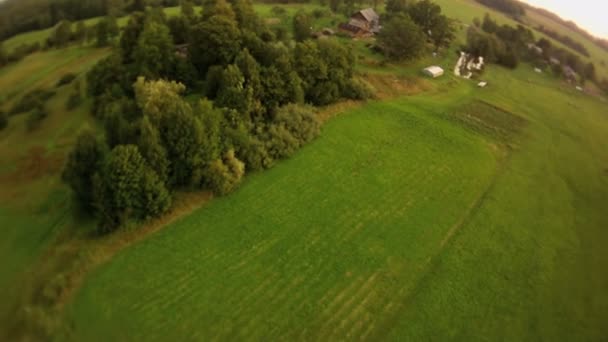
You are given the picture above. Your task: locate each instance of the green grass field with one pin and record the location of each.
(410, 219)
(440, 212)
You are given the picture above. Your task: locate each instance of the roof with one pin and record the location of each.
(369, 14)
(434, 69)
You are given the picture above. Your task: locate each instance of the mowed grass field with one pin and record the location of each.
(468, 214)
(34, 204)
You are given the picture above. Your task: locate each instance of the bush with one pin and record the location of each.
(224, 175)
(66, 79)
(319, 13)
(35, 117)
(293, 126)
(3, 120)
(31, 100)
(73, 101)
(278, 11)
(358, 89)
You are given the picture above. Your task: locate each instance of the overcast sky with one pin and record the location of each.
(592, 15)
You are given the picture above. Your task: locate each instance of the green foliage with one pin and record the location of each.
(106, 29)
(399, 46)
(3, 120)
(216, 40)
(302, 26)
(128, 189)
(82, 162)
(396, 7)
(74, 100)
(66, 79)
(224, 175)
(130, 36)
(154, 56)
(151, 149)
(359, 89)
(32, 100)
(62, 34)
(292, 127)
(437, 26)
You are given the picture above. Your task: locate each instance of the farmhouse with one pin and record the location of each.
(433, 71)
(364, 23)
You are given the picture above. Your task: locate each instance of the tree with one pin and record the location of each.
(62, 34)
(151, 149)
(489, 25)
(232, 91)
(154, 55)
(224, 175)
(335, 5)
(157, 98)
(302, 28)
(187, 10)
(399, 46)
(130, 36)
(128, 189)
(80, 34)
(106, 29)
(3, 120)
(216, 40)
(437, 26)
(395, 7)
(83, 161)
(589, 72)
(3, 56)
(220, 8)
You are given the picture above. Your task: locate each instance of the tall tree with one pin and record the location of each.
(399, 46)
(83, 161)
(216, 40)
(154, 56)
(302, 26)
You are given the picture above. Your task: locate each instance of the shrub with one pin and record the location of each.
(319, 13)
(278, 11)
(35, 117)
(66, 79)
(3, 120)
(358, 89)
(293, 126)
(31, 100)
(224, 175)
(73, 101)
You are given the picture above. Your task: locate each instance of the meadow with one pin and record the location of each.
(439, 211)
(417, 218)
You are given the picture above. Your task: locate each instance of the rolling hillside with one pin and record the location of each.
(438, 211)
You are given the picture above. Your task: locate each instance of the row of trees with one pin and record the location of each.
(407, 27)
(504, 44)
(566, 40)
(158, 139)
(509, 7)
(18, 16)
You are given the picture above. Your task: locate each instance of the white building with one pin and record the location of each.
(433, 71)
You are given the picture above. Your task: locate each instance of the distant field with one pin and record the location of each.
(467, 10)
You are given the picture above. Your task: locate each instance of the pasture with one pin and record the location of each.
(417, 218)
(441, 211)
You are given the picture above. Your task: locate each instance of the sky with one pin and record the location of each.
(588, 14)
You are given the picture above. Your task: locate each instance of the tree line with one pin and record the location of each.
(511, 8)
(18, 16)
(566, 40)
(233, 99)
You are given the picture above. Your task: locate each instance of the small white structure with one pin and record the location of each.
(538, 71)
(482, 84)
(433, 71)
(579, 88)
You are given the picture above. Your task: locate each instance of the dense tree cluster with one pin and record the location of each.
(407, 27)
(504, 44)
(566, 58)
(250, 91)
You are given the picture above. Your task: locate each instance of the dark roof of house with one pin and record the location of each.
(351, 28)
(369, 14)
